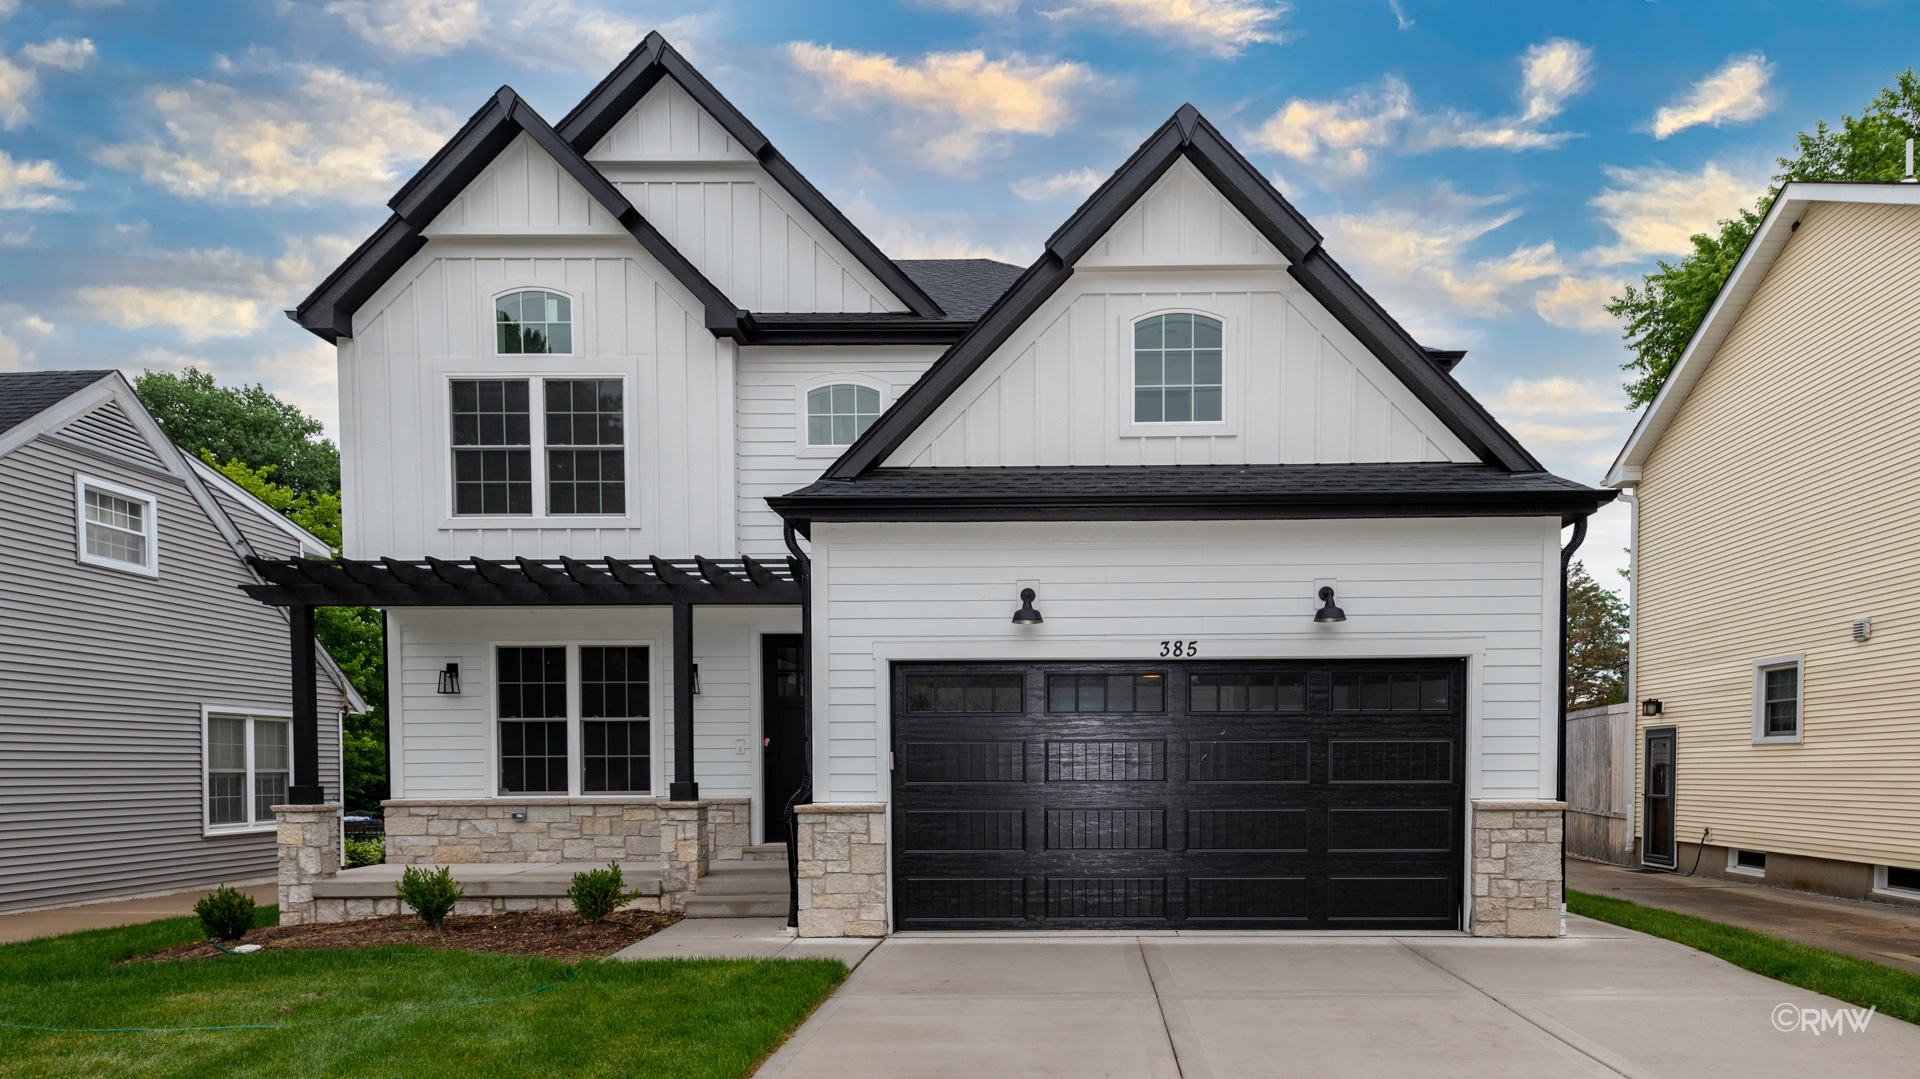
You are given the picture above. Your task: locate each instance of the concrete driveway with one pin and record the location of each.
(1603, 1002)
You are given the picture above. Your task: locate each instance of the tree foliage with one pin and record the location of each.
(1596, 642)
(242, 423)
(1663, 312)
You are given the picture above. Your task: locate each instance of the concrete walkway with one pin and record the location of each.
(744, 938)
(1604, 1002)
(48, 923)
(1877, 932)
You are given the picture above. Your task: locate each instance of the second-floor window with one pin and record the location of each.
(836, 415)
(533, 321)
(1176, 369)
(584, 424)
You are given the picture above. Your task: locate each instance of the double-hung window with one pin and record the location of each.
(492, 447)
(249, 765)
(118, 527)
(570, 713)
(533, 720)
(586, 458)
(614, 736)
(584, 422)
(1777, 700)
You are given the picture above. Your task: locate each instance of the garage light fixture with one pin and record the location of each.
(1328, 612)
(450, 679)
(1650, 707)
(1026, 615)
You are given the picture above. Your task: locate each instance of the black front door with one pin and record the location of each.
(1656, 844)
(783, 711)
(1231, 795)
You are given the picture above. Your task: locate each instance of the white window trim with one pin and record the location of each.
(576, 755)
(248, 713)
(1881, 887)
(151, 568)
(1232, 386)
(492, 334)
(1760, 669)
(803, 448)
(1734, 866)
(537, 431)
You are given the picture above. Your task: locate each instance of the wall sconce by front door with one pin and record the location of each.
(450, 679)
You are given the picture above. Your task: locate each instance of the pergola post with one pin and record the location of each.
(305, 788)
(683, 788)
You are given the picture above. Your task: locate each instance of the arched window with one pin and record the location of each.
(534, 321)
(836, 415)
(1176, 369)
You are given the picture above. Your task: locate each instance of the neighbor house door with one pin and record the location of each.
(1656, 844)
(784, 723)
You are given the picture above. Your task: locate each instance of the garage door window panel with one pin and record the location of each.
(1106, 692)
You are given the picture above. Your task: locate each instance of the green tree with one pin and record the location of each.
(1596, 642)
(1664, 311)
(241, 423)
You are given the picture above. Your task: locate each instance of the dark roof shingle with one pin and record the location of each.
(964, 288)
(26, 394)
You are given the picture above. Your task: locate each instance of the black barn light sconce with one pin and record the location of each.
(1328, 612)
(450, 678)
(1650, 707)
(1026, 615)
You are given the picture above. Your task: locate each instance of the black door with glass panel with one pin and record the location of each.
(783, 713)
(1656, 841)
(1233, 795)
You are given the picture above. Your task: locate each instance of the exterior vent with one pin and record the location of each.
(1862, 628)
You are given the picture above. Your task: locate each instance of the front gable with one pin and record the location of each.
(1182, 220)
(524, 190)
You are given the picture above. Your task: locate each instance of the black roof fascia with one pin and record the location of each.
(523, 582)
(643, 68)
(328, 309)
(1447, 358)
(1189, 134)
(781, 329)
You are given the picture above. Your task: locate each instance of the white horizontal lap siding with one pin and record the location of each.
(103, 675)
(1116, 589)
(770, 421)
(434, 321)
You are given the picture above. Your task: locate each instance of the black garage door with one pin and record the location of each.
(1258, 795)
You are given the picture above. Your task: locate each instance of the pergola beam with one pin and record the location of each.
(479, 582)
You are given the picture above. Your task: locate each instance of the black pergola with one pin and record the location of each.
(301, 584)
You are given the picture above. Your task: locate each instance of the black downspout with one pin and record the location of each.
(1560, 780)
(305, 789)
(683, 788)
(803, 570)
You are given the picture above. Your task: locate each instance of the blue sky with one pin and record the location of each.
(175, 174)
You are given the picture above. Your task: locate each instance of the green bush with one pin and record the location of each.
(597, 892)
(431, 895)
(227, 914)
(365, 852)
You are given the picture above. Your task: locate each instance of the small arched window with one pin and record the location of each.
(533, 321)
(1176, 369)
(836, 415)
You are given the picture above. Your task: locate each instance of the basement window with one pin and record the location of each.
(1896, 880)
(1753, 863)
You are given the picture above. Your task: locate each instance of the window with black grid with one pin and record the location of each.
(615, 739)
(533, 720)
(492, 447)
(586, 455)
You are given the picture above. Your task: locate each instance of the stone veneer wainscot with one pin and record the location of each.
(843, 870)
(1516, 868)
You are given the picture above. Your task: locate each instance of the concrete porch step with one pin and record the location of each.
(737, 906)
(767, 852)
(740, 890)
(771, 880)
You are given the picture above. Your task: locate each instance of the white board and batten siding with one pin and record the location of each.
(1299, 388)
(1483, 588)
(104, 675)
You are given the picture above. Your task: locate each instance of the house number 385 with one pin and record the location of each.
(1179, 649)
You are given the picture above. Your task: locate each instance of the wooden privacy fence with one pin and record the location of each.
(1600, 782)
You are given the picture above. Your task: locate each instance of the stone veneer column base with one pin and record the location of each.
(1516, 868)
(686, 846)
(309, 850)
(843, 870)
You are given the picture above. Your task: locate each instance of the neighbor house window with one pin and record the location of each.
(1176, 369)
(614, 736)
(118, 527)
(1776, 700)
(533, 720)
(837, 415)
(533, 321)
(249, 764)
(492, 447)
(586, 459)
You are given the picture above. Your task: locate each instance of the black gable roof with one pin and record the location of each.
(964, 287)
(1188, 134)
(26, 394)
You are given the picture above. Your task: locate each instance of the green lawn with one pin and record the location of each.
(1856, 981)
(388, 1012)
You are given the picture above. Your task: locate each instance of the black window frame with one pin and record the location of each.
(604, 451)
(517, 720)
(492, 448)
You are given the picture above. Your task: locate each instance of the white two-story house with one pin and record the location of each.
(1166, 582)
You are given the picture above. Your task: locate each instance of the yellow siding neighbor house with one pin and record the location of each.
(1776, 488)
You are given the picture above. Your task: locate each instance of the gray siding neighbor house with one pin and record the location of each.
(144, 699)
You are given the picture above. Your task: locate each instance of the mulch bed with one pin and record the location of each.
(552, 934)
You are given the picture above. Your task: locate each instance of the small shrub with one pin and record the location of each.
(227, 914)
(431, 895)
(365, 852)
(597, 892)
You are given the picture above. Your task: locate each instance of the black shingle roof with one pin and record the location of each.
(26, 394)
(964, 288)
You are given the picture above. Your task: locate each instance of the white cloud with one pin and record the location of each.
(63, 54)
(1736, 92)
(1400, 16)
(30, 185)
(1081, 182)
(1421, 262)
(1559, 410)
(1653, 211)
(557, 34)
(294, 132)
(976, 7)
(1222, 27)
(939, 234)
(20, 82)
(1344, 135)
(1579, 303)
(18, 85)
(12, 356)
(35, 325)
(196, 313)
(17, 238)
(230, 294)
(413, 27)
(959, 107)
